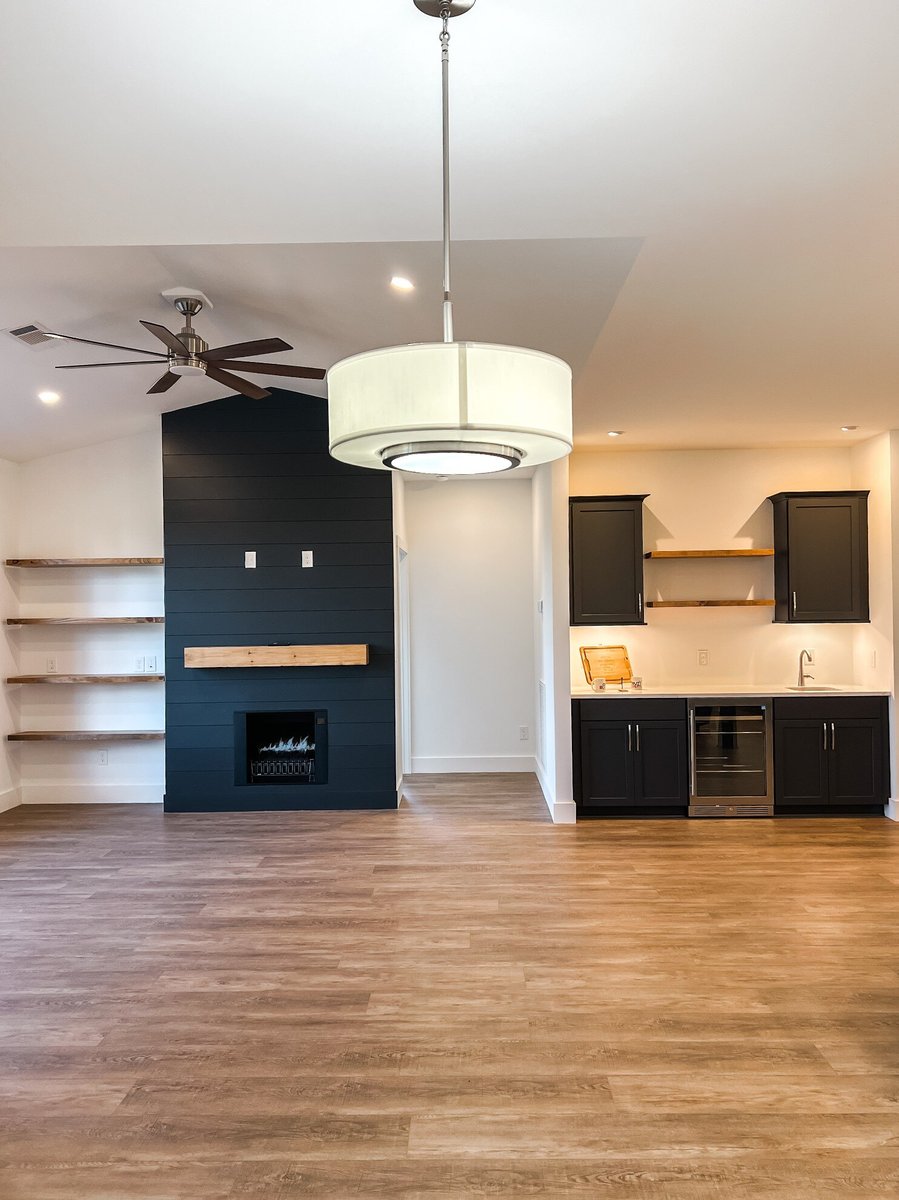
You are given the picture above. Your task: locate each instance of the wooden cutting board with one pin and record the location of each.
(606, 662)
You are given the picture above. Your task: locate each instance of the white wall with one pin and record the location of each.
(9, 504)
(103, 500)
(873, 644)
(707, 499)
(550, 554)
(472, 639)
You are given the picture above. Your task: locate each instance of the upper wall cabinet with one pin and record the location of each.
(820, 556)
(606, 555)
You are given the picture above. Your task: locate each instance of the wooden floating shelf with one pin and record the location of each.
(84, 562)
(85, 620)
(87, 735)
(709, 603)
(276, 656)
(85, 679)
(709, 554)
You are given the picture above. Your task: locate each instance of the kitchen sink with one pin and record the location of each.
(813, 688)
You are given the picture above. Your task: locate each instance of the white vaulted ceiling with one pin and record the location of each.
(695, 200)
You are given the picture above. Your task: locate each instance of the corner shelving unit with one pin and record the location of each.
(85, 735)
(763, 552)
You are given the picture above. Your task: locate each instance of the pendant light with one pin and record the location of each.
(449, 408)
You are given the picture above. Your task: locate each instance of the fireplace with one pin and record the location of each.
(281, 748)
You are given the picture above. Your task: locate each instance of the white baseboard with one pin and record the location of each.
(91, 793)
(11, 798)
(491, 765)
(892, 809)
(563, 812)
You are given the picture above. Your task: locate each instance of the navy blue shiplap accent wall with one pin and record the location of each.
(241, 475)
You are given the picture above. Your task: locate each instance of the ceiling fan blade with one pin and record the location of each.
(163, 383)
(236, 383)
(166, 335)
(68, 337)
(272, 369)
(131, 362)
(240, 349)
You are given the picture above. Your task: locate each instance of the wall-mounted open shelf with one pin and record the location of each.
(84, 562)
(709, 603)
(85, 679)
(85, 620)
(763, 553)
(87, 735)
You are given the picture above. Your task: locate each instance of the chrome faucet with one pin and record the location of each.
(803, 675)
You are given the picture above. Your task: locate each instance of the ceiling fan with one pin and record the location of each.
(186, 353)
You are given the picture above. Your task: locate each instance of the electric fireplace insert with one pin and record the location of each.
(281, 747)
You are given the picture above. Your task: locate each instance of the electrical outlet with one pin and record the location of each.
(873, 658)
(102, 758)
(523, 733)
(151, 663)
(249, 558)
(52, 667)
(702, 658)
(140, 664)
(307, 558)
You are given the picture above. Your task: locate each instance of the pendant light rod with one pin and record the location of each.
(444, 66)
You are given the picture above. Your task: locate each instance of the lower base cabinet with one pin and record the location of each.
(830, 755)
(630, 757)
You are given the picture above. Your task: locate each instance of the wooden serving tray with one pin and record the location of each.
(606, 662)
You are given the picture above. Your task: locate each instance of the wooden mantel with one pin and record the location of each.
(276, 656)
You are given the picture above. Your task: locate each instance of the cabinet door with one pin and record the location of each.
(827, 558)
(606, 547)
(855, 762)
(801, 765)
(607, 765)
(660, 763)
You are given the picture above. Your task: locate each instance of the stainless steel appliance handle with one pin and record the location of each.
(637, 727)
(629, 743)
(833, 737)
(692, 752)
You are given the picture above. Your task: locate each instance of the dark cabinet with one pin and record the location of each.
(830, 755)
(606, 560)
(820, 556)
(630, 757)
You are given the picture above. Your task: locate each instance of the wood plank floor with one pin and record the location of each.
(456, 999)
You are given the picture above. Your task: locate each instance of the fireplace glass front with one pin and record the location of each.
(281, 747)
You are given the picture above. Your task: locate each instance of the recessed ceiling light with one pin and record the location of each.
(615, 432)
(401, 284)
(48, 397)
(848, 428)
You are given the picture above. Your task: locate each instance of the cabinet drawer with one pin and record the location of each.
(832, 707)
(634, 708)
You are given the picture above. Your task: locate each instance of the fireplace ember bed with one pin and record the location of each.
(281, 748)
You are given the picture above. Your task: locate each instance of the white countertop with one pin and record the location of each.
(583, 692)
